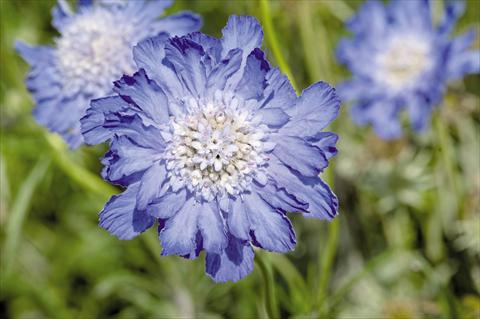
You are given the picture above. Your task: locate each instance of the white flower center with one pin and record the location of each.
(94, 50)
(216, 149)
(404, 60)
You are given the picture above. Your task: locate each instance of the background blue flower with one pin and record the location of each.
(401, 59)
(213, 142)
(94, 49)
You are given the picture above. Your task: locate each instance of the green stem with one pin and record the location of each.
(79, 174)
(328, 255)
(444, 147)
(267, 274)
(19, 212)
(273, 42)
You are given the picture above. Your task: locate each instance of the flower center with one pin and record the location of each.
(216, 149)
(403, 62)
(94, 50)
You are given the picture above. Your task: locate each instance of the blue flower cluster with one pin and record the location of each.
(213, 143)
(401, 60)
(93, 50)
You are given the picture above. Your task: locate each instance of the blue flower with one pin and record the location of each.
(93, 50)
(400, 59)
(213, 143)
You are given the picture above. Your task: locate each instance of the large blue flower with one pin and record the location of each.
(94, 49)
(400, 59)
(213, 142)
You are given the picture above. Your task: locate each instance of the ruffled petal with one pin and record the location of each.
(121, 219)
(212, 228)
(242, 32)
(167, 205)
(463, 61)
(299, 155)
(148, 54)
(111, 116)
(278, 92)
(253, 81)
(146, 95)
(219, 76)
(178, 236)
(151, 184)
(237, 220)
(273, 117)
(270, 229)
(322, 203)
(232, 264)
(178, 24)
(315, 109)
(185, 56)
(126, 158)
(61, 14)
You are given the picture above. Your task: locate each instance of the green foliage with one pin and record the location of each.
(406, 245)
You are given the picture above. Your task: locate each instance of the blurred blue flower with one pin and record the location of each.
(93, 50)
(400, 59)
(213, 142)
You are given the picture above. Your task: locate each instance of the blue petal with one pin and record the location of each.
(167, 205)
(85, 3)
(315, 109)
(462, 60)
(237, 220)
(411, 15)
(114, 116)
(241, 32)
(150, 184)
(127, 158)
(453, 10)
(419, 112)
(179, 24)
(253, 82)
(273, 117)
(178, 237)
(299, 155)
(326, 141)
(270, 229)
(212, 228)
(280, 199)
(234, 263)
(211, 45)
(323, 204)
(219, 76)
(370, 20)
(61, 14)
(146, 95)
(34, 54)
(185, 56)
(148, 54)
(278, 92)
(120, 218)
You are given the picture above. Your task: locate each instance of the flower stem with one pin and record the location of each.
(273, 43)
(444, 148)
(267, 274)
(19, 212)
(79, 174)
(327, 256)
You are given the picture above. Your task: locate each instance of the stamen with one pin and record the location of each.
(215, 149)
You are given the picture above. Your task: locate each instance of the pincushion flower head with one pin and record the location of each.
(213, 143)
(401, 60)
(94, 49)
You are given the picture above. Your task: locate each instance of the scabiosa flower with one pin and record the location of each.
(93, 50)
(213, 142)
(401, 60)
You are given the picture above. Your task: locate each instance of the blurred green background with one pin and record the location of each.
(406, 243)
